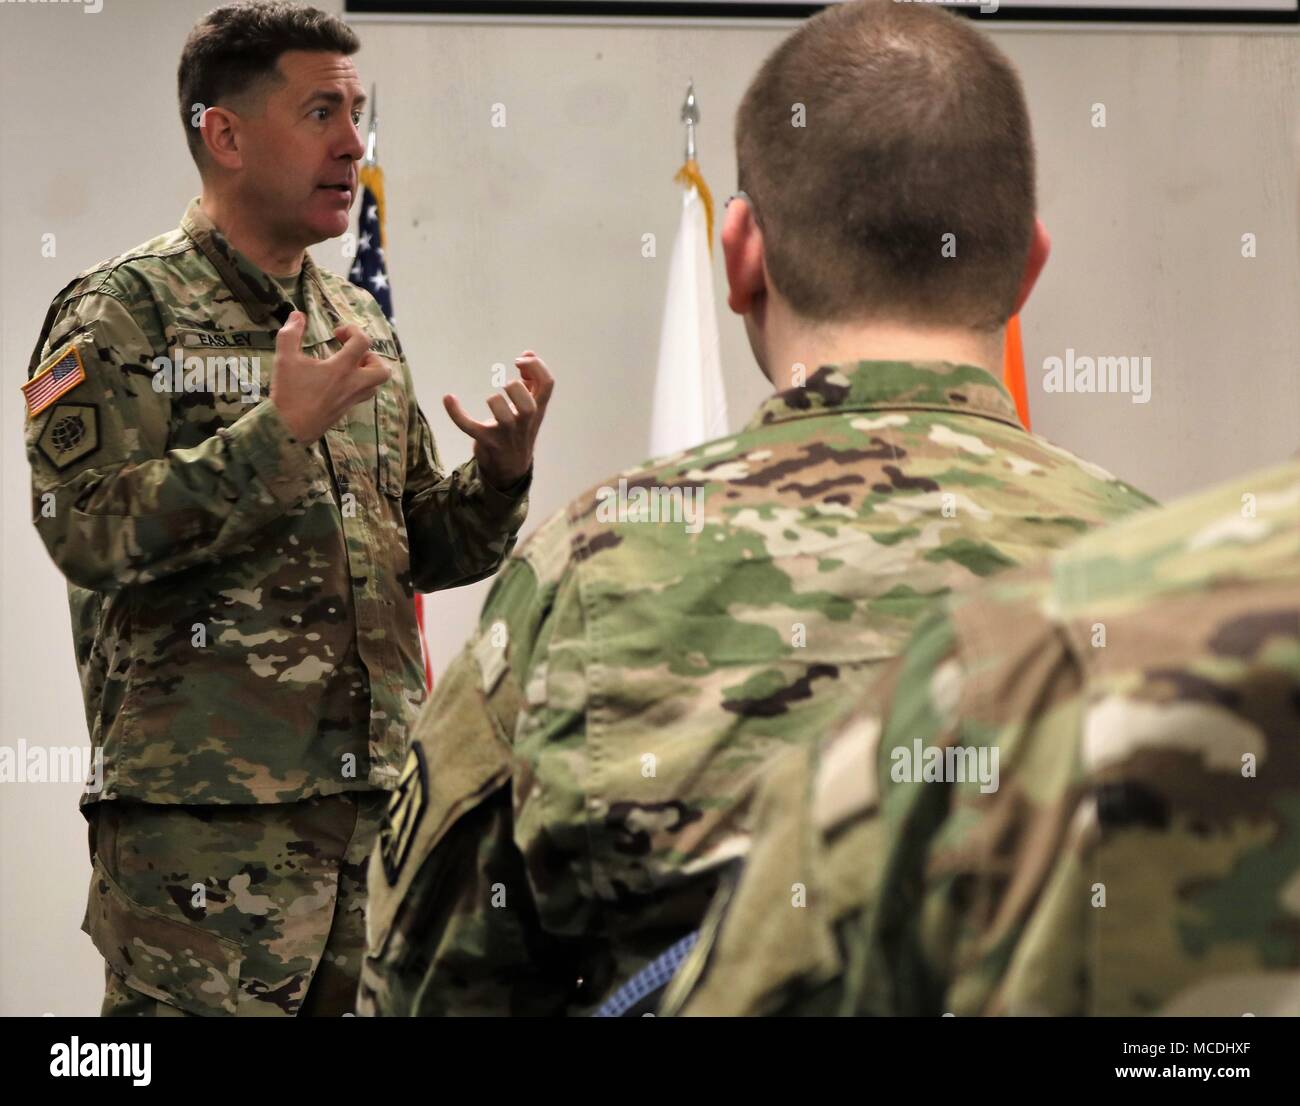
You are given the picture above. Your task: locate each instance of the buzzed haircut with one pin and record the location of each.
(237, 46)
(869, 135)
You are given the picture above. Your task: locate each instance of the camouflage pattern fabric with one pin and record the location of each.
(253, 911)
(572, 794)
(1139, 852)
(241, 602)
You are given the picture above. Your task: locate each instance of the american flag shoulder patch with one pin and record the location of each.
(62, 372)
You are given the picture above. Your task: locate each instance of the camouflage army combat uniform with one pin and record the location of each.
(241, 610)
(1140, 850)
(571, 794)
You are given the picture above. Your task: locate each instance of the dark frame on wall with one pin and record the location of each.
(1227, 11)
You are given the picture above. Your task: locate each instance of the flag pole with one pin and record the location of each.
(372, 136)
(371, 175)
(690, 116)
(689, 174)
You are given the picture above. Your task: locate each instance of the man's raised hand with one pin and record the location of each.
(504, 448)
(311, 394)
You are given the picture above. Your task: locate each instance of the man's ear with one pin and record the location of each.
(1040, 247)
(220, 129)
(742, 248)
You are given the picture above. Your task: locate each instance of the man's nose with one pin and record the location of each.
(354, 145)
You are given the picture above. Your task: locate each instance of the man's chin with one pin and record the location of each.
(326, 226)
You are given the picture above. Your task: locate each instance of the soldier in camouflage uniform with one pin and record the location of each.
(241, 596)
(1139, 854)
(571, 797)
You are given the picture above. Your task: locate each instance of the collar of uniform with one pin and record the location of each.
(891, 385)
(259, 294)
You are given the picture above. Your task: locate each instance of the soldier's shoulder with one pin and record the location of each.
(1199, 585)
(658, 501)
(1244, 528)
(728, 479)
(548, 550)
(127, 273)
(130, 280)
(1076, 483)
(525, 587)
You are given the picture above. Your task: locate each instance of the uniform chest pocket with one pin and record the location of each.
(232, 366)
(213, 387)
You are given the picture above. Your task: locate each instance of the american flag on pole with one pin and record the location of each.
(54, 380)
(368, 267)
(370, 271)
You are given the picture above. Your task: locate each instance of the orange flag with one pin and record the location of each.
(1013, 369)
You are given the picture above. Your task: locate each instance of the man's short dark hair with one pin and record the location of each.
(236, 47)
(915, 127)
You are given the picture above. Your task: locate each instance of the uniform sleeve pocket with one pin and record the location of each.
(176, 963)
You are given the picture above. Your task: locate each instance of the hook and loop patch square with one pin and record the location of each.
(71, 434)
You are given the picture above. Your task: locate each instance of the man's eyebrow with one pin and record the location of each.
(332, 97)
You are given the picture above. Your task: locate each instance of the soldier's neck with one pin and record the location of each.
(837, 344)
(251, 238)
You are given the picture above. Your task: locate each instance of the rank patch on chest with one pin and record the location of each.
(57, 377)
(405, 809)
(71, 434)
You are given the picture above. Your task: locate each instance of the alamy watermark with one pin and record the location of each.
(212, 373)
(945, 764)
(52, 764)
(1077, 373)
(651, 504)
(103, 1058)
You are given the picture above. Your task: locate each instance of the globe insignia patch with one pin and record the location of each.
(71, 433)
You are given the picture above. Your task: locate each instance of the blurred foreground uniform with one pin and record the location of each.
(1141, 851)
(572, 792)
(241, 611)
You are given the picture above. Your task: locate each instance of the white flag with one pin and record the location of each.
(690, 405)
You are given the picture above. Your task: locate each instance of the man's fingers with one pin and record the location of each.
(537, 376)
(456, 413)
(288, 338)
(354, 349)
(358, 395)
(372, 372)
(521, 397)
(500, 407)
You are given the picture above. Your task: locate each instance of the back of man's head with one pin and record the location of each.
(868, 137)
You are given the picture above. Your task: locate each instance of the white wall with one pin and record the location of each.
(530, 236)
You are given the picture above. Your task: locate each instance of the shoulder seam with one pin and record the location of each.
(105, 270)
